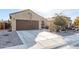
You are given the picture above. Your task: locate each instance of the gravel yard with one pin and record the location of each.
(9, 39)
(72, 38)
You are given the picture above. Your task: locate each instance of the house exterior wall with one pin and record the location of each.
(50, 22)
(13, 24)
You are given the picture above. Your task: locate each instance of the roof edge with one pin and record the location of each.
(26, 10)
(18, 12)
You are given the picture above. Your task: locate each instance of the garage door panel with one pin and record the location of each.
(26, 24)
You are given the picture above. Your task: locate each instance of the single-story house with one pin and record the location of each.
(26, 20)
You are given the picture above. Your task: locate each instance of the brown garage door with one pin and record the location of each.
(26, 24)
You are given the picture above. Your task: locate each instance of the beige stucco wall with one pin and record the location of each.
(13, 24)
(23, 15)
(50, 24)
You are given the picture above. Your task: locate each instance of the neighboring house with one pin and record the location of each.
(0, 25)
(7, 24)
(26, 20)
(69, 22)
(4, 25)
(50, 21)
(50, 24)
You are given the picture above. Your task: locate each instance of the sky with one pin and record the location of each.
(45, 8)
(73, 13)
(4, 13)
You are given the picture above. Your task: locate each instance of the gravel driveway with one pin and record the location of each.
(9, 39)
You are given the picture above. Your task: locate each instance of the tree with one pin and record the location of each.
(61, 21)
(76, 22)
